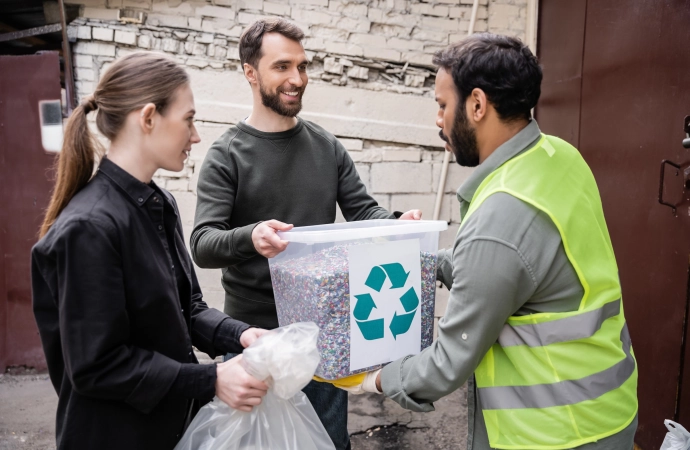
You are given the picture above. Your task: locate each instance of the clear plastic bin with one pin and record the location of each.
(369, 285)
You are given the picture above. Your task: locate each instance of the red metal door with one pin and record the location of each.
(24, 81)
(617, 85)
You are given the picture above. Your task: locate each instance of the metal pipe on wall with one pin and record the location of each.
(446, 156)
(67, 59)
(532, 23)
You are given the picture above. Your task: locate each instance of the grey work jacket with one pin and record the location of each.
(507, 259)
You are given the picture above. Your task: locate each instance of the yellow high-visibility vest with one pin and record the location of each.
(560, 380)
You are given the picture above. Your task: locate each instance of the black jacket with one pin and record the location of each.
(118, 319)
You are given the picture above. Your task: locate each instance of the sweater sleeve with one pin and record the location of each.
(214, 243)
(354, 201)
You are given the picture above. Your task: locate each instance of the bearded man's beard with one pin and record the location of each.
(463, 139)
(274, 102)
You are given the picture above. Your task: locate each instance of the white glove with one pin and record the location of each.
(368, 385)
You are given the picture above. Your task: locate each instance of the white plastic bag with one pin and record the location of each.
(286, 359)
(677, 437)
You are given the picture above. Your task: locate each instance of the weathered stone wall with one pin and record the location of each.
(509, 17)
(371, 82)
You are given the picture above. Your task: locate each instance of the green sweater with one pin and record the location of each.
(248, 176)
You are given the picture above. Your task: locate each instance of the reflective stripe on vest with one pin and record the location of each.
(564, 392)
(561, 330)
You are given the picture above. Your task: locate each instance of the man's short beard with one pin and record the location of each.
(463, 139)
(273, 101)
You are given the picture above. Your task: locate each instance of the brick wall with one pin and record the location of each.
(371, 82)
(508, 17)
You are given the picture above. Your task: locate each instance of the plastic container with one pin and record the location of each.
(370, 286)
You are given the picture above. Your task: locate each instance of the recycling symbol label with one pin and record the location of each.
(399, 324)
(385, 287)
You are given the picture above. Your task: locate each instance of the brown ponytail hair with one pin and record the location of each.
(128, 85)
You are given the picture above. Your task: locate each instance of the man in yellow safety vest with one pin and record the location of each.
(535, 316)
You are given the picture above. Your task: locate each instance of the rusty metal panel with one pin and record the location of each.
(560, 47)
(635, 92)
(24, 81)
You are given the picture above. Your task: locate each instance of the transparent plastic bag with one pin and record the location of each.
(286, 359)
(677, 437)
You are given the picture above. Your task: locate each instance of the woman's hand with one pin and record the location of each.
(250, 335)
(236, 387)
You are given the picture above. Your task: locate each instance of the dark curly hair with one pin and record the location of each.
(501, 66)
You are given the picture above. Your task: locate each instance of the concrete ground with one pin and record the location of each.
(27, 412)
(377, 423)
(28, 403)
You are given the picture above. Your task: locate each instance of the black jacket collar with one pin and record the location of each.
(138, 191)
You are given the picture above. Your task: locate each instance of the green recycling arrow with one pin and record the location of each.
(395, 272)
(363, 307)
(397, 275)
(371, 329)
(409, 300)
(376, 278)
(401, 323)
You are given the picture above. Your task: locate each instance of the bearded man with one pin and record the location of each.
(269, 172)
(535, 320)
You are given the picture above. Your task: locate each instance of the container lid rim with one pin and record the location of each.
(385, 227)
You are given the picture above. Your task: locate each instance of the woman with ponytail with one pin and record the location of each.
(115, 295)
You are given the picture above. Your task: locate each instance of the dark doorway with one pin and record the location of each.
(24, 167)
(617, 86)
